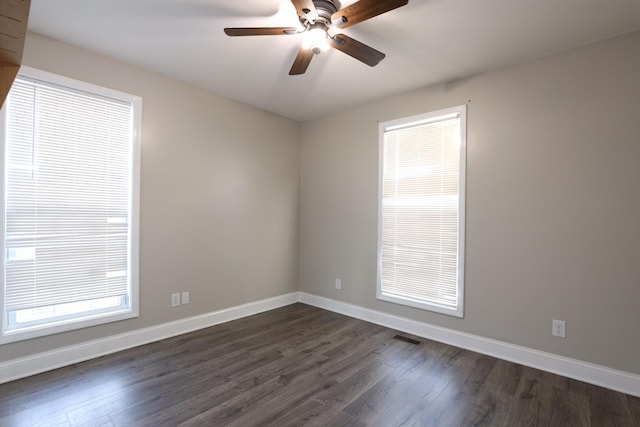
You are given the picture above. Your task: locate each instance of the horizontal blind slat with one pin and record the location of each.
(420, 212)
(67, 196)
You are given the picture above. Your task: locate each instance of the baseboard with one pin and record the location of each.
(594, 374)
(41, 362)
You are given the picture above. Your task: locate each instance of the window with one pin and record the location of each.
(421, 211)
(70, 205)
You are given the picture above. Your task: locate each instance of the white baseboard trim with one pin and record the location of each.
(41, 362)
(594, 374)
(588, 372)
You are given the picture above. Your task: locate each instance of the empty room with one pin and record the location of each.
(320, 213)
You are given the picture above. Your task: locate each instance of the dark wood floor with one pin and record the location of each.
(300, 365)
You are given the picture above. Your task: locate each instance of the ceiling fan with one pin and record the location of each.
(317, 18)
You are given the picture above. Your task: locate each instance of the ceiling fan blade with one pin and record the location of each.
(357, 50)
(301, 62)
(363, 10)
(260, 31)
(305, 5)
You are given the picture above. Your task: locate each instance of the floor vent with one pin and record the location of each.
(406, 339)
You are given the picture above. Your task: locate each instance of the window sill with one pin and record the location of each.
(15, 335)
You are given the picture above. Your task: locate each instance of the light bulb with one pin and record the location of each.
(316, 40)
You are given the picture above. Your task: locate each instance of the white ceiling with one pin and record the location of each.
(426, 42)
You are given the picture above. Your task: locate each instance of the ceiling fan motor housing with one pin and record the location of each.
(324, 9)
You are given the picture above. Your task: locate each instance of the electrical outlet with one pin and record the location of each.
(338, 284)
(559, 328)
(185, 297)
(175, 299)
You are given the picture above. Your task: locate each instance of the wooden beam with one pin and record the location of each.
(14, 15)
(8, 73)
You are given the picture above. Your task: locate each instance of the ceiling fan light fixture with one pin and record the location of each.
(317, 19)
(317, 39)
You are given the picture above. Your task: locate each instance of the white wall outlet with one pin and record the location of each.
(338, 284)
(175, 299)
(185, 297)
(559, 328)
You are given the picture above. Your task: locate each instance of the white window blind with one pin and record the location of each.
(68, 198)
(421, 241)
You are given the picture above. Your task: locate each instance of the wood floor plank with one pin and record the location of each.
(399, 400)
(569, 384)
(234, 383)
(634, 408)
(327, 407)
(254, 407)
(490, 407)
(157, 399)
(300, 365)
(570, 409)
(609, 408)
(341, 393)
(505, 377)
(442, 394)
(535, 390)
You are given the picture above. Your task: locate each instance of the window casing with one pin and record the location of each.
(70, 192)
(421, 211)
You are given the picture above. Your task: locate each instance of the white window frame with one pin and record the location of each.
(461, 112)
(99, 316)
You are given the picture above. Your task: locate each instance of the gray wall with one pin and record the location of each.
(219, 195)
(553, 202)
